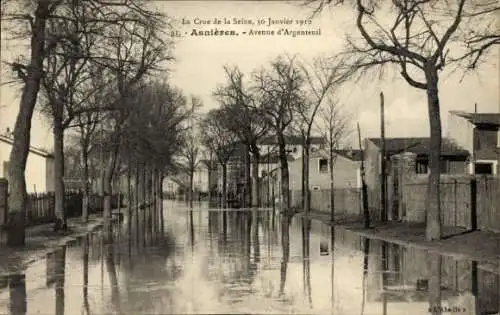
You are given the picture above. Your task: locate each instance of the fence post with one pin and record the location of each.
(473, 203)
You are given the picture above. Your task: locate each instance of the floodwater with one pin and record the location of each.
(244, 262)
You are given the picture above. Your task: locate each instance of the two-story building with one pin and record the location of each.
(269, 145)
(479, 134)
(39, 172)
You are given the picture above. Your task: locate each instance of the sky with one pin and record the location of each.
(199, 61)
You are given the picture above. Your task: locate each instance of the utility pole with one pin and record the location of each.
(364, 191)
(383, 175)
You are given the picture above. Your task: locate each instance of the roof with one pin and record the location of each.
(274, 158)
(353, 155)
(419, 146)
(270, 140)
(33, 150)
(480, 118)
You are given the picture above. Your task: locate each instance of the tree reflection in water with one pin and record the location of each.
(434, 263)
(17, 292)
(113, 279)
(366, 253)
(332, 252)
(306, 233)
(285, 244)
(85, 249)
(59, 271)
(256, 243)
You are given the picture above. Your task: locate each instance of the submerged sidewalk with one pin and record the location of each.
(481, 246)
(41, 240)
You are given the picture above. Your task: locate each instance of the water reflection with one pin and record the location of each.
(85, 286)
(285, 243)
(237, 262)
(306, 230)
(17, 290)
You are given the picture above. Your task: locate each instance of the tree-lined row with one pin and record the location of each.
(287, 98)
(90, 70)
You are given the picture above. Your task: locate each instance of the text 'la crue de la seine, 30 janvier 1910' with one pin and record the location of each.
(268, 26)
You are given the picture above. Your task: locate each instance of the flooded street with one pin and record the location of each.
(244, 262)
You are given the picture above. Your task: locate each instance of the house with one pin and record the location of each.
(205, 177)
(478, 133)
(269, 145)
(346, 170)
(407, 156)
(39, 172)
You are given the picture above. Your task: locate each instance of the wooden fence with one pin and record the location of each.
(41, 206)
(466, 201)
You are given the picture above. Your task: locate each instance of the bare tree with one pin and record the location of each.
(219, 140)
(334, 126)
(245, 120)
(320, 80)
(71, 41)
(190, 153)
(136, 48)
(279, 93)
(422, 38)
(35, 16)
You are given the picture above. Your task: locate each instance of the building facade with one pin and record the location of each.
(454, 158)
(39, 172)
(479, 134)
(346, 170)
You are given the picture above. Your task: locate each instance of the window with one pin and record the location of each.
(445, 166)
(422, 166)
(483, 168)
(323, 165)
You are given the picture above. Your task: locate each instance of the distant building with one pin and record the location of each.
(479, 133)
(414, 154)
(269, 145)
(346, 170)
(39, 170)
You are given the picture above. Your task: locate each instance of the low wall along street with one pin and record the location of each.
(465, 201)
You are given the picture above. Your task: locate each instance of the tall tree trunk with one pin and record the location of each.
(191, 189)
(332, 187)
(22, 129)
(107, 190)
(247, 197)
(129, 194)
(108, 181)
(433, 202)
(137, 198)
(303, 185)
(255, 178)
(162, 222)
(307, 191)
(58, 131)
(86, 186)
(224, 185)
(285, 193)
